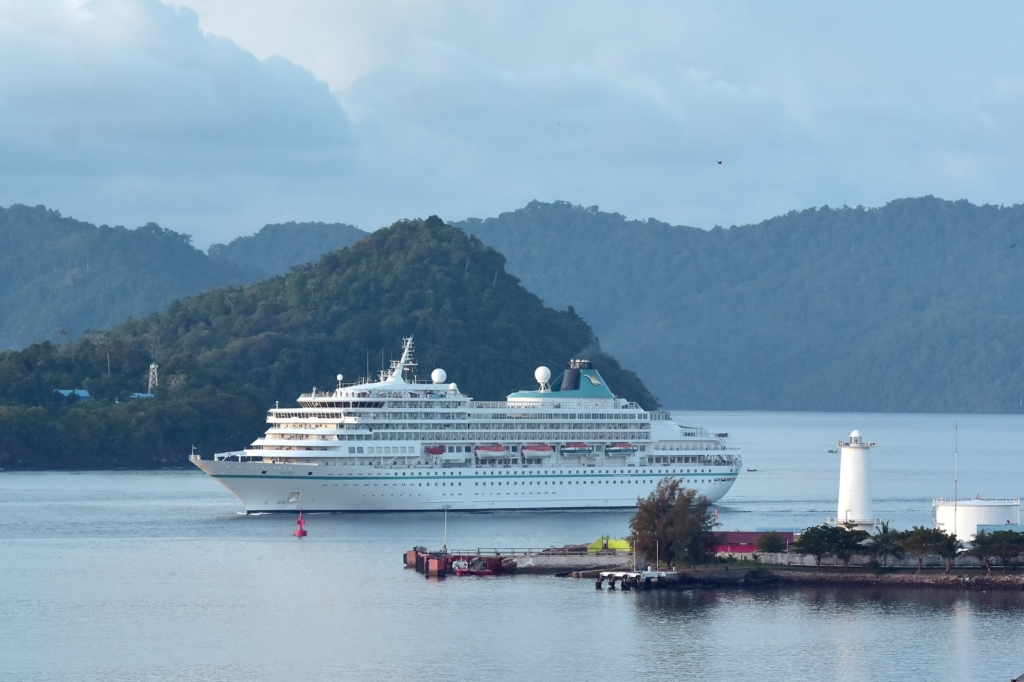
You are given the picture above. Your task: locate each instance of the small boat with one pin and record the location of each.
(537, 450)
(620, 449)
(751, 469)
(832, 452)
(434, 449)
(461, 567)
(577, 449)
(479, 567)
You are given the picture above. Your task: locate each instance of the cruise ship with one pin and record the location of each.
(399, 444)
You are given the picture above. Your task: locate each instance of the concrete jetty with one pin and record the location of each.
(503, 561)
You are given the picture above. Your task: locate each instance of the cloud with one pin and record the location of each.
(216, 116)
(127, 109)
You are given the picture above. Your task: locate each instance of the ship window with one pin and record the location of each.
(359, 450)
(309, 473)
(263, 472)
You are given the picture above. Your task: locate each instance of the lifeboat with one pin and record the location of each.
(620, 449)
(434, 449)
(577, 449)
(537, 450)
(491, 450)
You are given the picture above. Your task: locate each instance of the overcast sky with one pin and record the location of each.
(214, 117)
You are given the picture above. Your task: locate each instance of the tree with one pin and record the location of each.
(692, 527)
(922, 542)
(948, 548)
(848, 541)
(771, 542)
(817, 541)
(886, 543)
(984, 547)
(673, 523)
(1008, 545)
(649, 525)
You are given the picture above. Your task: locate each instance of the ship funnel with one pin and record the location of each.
(571, 378)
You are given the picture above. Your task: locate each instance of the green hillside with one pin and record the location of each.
(62, 276)
(914, 306)
(276, 248)
(226, 355)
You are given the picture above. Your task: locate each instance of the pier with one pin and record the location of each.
(502, 561)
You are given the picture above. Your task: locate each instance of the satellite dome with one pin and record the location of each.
(542, 375)
(453, 387)
(438, 376)
(855, 434)
(339, 378)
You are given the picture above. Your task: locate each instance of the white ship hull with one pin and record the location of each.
(291, 487)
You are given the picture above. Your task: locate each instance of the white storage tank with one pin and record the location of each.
(962, 517)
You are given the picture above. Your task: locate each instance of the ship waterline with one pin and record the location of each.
(398, 445)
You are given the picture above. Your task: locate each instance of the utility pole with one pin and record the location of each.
(956, 469)
(444, 549)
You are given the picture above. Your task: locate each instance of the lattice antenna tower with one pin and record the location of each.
(154, 380)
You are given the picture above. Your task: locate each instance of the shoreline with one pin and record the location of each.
(761, 578)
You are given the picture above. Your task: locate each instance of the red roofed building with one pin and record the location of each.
(744, 542)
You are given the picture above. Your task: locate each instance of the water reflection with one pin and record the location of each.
(824, 633)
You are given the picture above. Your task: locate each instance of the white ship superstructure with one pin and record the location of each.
(404, 445)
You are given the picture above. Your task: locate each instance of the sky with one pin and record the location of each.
(215, 117)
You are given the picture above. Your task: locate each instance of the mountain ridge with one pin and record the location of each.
(228, 354)
(912, 306)
(277, 248)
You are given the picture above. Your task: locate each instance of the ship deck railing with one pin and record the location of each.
(597, 403)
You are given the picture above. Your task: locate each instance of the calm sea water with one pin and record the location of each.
(154, 576)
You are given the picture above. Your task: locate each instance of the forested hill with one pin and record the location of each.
(63, 274)
(914, 306)
(226, 355)
(276, 248)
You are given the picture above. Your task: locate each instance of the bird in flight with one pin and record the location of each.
(719, 163)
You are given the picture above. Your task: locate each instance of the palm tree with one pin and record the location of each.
(885, 543)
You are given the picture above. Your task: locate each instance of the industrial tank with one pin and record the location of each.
(962, 517)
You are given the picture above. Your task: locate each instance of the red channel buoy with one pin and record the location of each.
(300, 532)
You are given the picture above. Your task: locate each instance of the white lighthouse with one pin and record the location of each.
(854, 508)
